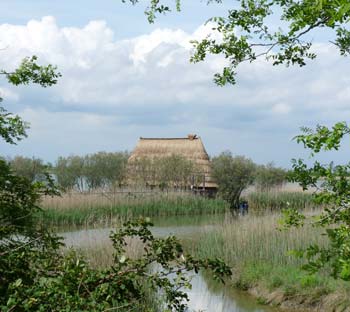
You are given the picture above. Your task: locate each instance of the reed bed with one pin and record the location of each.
(278, 200)
(261, 256)
(100, 253)
(102, 209)
(256, 239)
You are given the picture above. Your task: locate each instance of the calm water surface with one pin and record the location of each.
(205, 295)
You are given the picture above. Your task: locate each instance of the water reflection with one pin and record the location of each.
(216, 298)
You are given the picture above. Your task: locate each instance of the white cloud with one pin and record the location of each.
(144, 45)
(146, 85)
(98, 69)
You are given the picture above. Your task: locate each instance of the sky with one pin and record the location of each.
(123, 78)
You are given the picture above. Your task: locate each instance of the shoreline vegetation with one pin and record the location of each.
(99, 208)
(263, 264)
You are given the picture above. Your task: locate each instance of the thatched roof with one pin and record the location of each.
(190, 147)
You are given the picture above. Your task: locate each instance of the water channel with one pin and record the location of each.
(205, 294)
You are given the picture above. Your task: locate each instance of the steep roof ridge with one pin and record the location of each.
(201, 143)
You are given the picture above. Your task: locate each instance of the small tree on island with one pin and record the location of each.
(233, 175)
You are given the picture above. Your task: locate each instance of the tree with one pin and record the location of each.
(70, 172)
(21, 238)
(268, 176)
(141, 171)
(66, 178)
(233, 175)
(246, 34)
(27, 167)
(105, 170)
(114, 168)
(12, 127)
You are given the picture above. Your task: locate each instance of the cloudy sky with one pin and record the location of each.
(123, 78)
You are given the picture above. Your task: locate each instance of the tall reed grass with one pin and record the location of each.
(100, 253)
(257, 238)
(92, 209)
(261, 256)
(278, 200)
(103, 208)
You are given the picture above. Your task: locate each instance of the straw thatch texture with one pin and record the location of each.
(191, 148)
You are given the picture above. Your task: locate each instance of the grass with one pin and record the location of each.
(102, 209)
(260, 257)
(92, 209)
(100, 254)
(257, 238)
(277, 200)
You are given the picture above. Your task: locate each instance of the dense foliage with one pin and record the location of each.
(332, 186)
(30, 168)
(92, 171)
(21, 240)
(24, 245)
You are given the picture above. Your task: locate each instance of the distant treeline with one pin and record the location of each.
(81, 173)
(106, 170)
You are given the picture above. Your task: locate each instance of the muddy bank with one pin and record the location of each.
(300, 302)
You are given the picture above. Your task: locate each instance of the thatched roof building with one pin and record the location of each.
(190, 147)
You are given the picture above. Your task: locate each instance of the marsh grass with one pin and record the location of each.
(258, 238)
(101, 254)
(261, 255)
(103, 208)
(262, 202)
(94, 209)
(96, 246)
